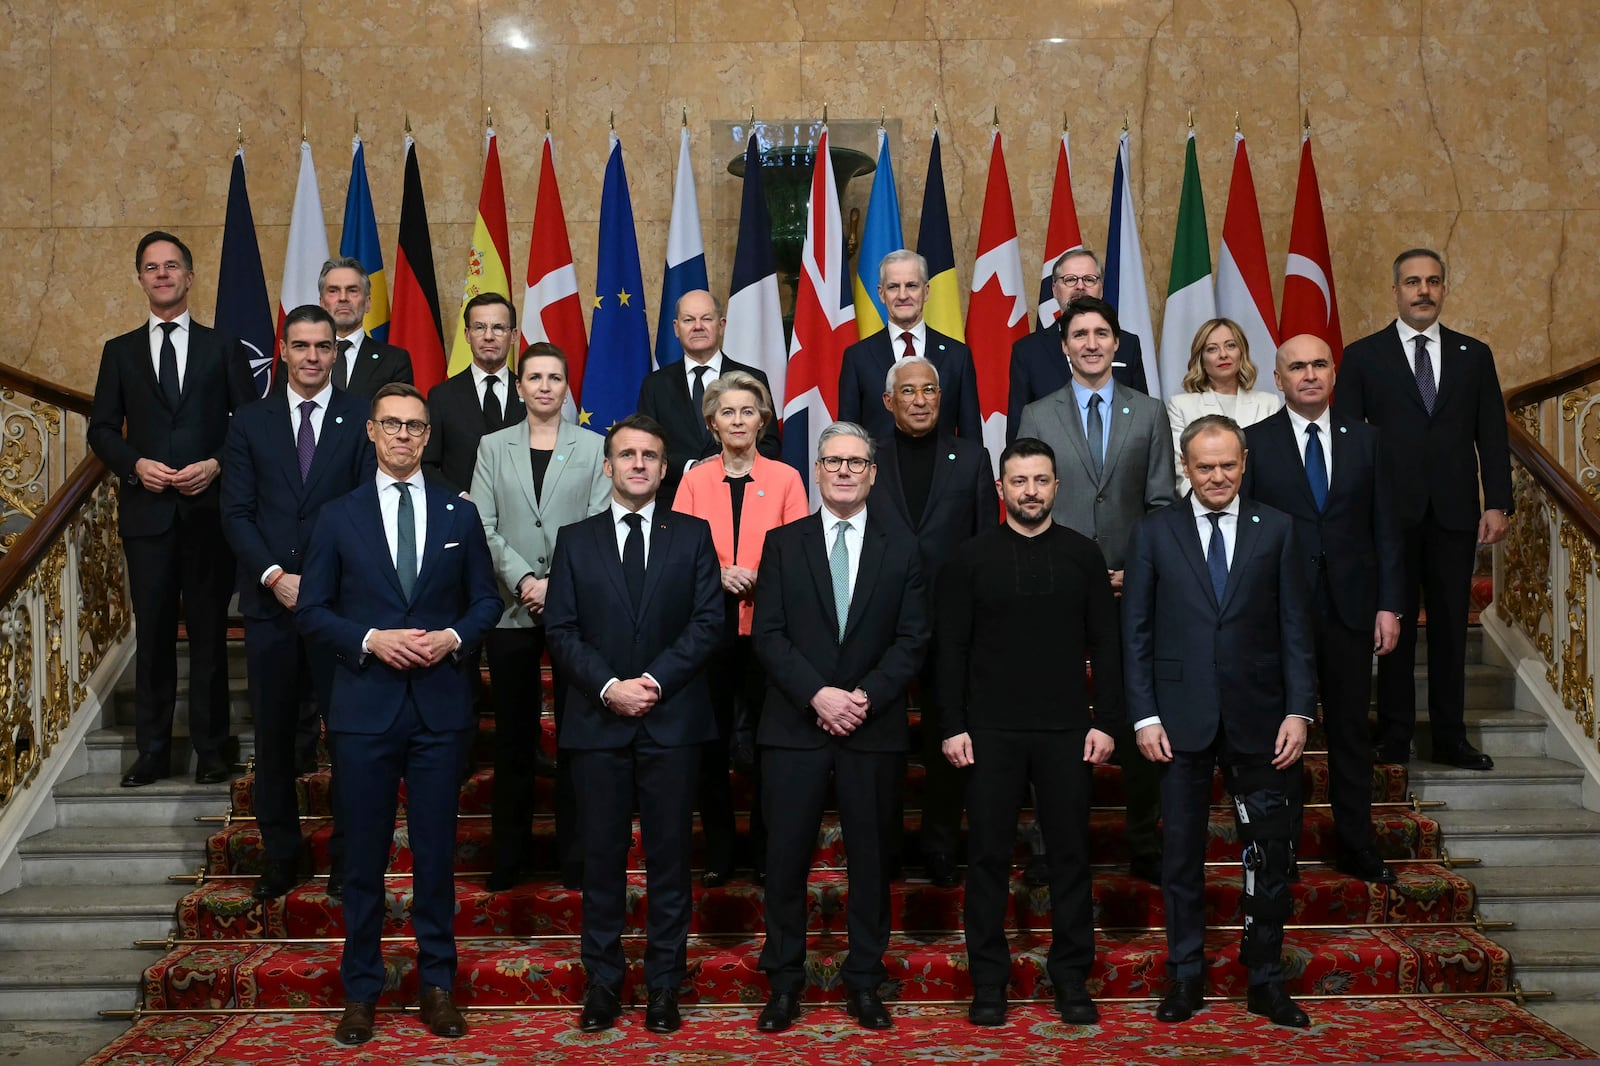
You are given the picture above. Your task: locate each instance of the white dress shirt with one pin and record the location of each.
(389, 510)
(852, 538)
(180, 344)
(919, 339)
(295, 400)
(1435, 349)
(502, 387)
(1324, 424)
(349, 359)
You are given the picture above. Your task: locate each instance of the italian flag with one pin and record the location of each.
(1191, 299)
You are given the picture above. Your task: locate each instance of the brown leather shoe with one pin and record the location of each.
(355, 1025)
(439, 1013)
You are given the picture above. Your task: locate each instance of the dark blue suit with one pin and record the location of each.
(595, 634)
(268, 514)
(1039, 367)
(389, 724)
(1221, 678)
(866, 364)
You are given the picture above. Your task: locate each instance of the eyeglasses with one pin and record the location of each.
(478, 329)
(908, 391)
(416, 427)
(1071, 280)
(171, 266)
(855, 464)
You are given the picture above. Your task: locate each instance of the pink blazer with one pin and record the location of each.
(774, 497)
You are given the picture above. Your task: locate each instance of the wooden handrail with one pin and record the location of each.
(1554, 385)
(40, 535)
(40, 389)
(1546, 469)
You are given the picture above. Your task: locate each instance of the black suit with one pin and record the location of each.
(455, 407)
(1221, 679)
(1439, 461)
(796, 637)
(1039, 367)
(664, 396)
(377, 364)
(595, 633)
(1351, 549)
(173, 543)
(866, 365)
(961, 504)
(268, 514)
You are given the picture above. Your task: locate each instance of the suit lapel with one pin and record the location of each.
(889, 467)
(517, 462)
(942, 462)
(873, 548)
(1186, 534)
(605, 535)
(199, 363)
(286, 454)
(1401, 360)
(370, 515)
(1121, 430)
(140, 350)
(1246, 539)
(362, 356)
(1450, 346)
(1072, 429)
(1288, 449)
(816, 553)
(655, 564)
(441, 519)
(333, 432)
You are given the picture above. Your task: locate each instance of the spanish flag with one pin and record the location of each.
(491, 251)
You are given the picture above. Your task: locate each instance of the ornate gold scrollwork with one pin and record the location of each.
(1577, 686)
(1525, 601)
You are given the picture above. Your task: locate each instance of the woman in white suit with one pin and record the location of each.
(531, 479)
(1218, 382)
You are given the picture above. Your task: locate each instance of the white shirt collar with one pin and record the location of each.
(858, 521)
(1406, 333)
(647, 512)
(919, 332)
(1201, 510)
(355, 339)
(1299, 423)
(715, 363)
(321, 399)
(478, 374)
(182, 320)
(385, 480)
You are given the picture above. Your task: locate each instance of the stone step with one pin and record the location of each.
(100, 800)
(1563, 961)
(1487, 687)
(1516, 781)
(122, 703)
(58, 1042)
(84, 917)
(70, 984)
(236, 661)
(1539, 897)
(102, 855)
(1522, 836)
(1574, 1017)
(111, 749)
(1496, 729)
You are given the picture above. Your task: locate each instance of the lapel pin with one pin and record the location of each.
(449, 507)
(952, 455)
(1344, 429)
(1463, 347)
(561, 458)
(941, 347)
(761, 492)
(1125, 410)
(338, 420)
(374, 355)
(1255, 518)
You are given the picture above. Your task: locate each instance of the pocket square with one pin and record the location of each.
(453, 544)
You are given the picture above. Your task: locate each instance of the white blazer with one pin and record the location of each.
(1250, 406)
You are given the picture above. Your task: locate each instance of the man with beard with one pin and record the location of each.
(1024, 594)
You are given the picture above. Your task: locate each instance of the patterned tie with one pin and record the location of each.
(341, 366)
(839, 567)
(492, 412)
(305, 442)
(633, 558)
(1316, 465)
(910, 343)
(1424, 369)
(405, 535)
(1096, 431)
(697, 399)
(169, 365)
(1217, 557)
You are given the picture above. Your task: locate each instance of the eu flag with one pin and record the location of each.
(619, 334)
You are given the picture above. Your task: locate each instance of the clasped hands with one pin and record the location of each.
(190, 480)
(406, 649)
(840, 712)
(633, 698)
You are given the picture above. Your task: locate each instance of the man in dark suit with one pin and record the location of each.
(363, 365)
(1331, 476)
(841, 624)
(480, 399)
(673, 395)
(903, 288)
(1436, 396)
(173, 383)
(940, 489)
(1217, 649)
(286, 456)
(632, 613)
(1039, 364)
(399, 583)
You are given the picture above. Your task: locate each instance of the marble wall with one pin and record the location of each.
(1461, 124)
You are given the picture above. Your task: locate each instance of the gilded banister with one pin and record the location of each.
(41, 438)
(1547, 570)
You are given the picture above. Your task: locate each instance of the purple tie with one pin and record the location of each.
(305, 444)
(1423, 367)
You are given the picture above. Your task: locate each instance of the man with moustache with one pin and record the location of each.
(674, 394)
(1332, 477)
(160, 417)
(1039, 365)
(480, 399)
(1436, 396)
(1027, 593)
(841, 624)
(274, 483)
(903, 288)
(364, 364)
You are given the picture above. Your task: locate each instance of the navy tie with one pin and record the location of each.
(169, 365)
(1096, 432)
(633, 558)
(1217, 557)
(1424, 370)
(1316, 466)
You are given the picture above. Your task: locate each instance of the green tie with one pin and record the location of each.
(839, 565)
(405, 538)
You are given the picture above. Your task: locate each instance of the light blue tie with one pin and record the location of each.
(839, 566)
(405, 538)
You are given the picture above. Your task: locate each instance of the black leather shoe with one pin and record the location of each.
(941, 871)
(988, 1006)
(355, 1024)
(779, 1013)
(1146, 868)
(440, 1013)
(335, 885)
(601, 1006)
(867, 1009)
(1398, 754)
(715, 878)
(1037, 873)
(275, 880)
(503, 878)
(212, 770)
(1273, 1003)
(1463, 756)
(1073, 1003)
(1366, 865)
(1187, 995)
(662, 1016)
(146, 770)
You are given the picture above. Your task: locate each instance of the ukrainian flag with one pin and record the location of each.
(880, 235)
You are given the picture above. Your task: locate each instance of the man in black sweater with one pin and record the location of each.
(1026, 594)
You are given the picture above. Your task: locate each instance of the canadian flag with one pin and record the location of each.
(1061, 234)
(1310, 304)
(997, 315)
(551, 309)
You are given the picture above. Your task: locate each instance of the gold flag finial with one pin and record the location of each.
(305, 130)
(1236, 122)
(1191, 118)
(547, 120)
(882, 117)
(752, 114)
(824, 112)
(408, 123)
(996, 119)
(1065, 126)
(686, 116)
(488, 116)
(935, 116)
(1124, 120)
(357, 124)
(1308, 120)
(240, 133)
(613, 121)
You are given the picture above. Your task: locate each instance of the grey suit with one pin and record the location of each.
(521, 527)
